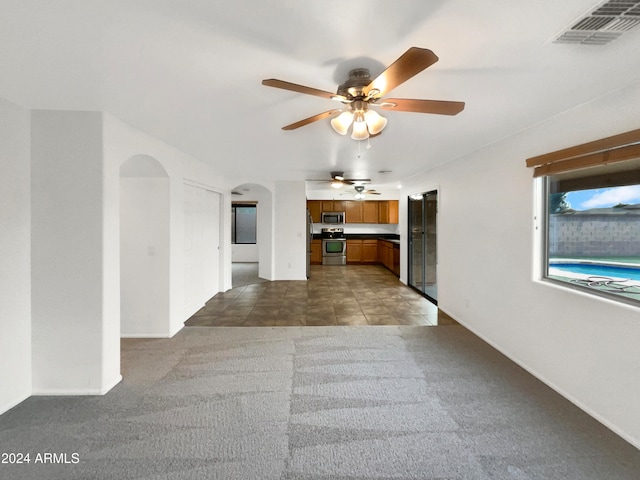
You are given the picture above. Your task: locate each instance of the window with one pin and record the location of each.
(592, 222)
(243, 223)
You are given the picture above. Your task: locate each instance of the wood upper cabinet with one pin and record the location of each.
(353, 211)
(315, 208)
(338, 206)
(370, 212)
(388, 211)
(332, 205)
(357, 211)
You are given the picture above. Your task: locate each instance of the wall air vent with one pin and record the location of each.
(605, 23)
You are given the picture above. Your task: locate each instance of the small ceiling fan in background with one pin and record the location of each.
(361, 193)
(338, 180)
(360, 92)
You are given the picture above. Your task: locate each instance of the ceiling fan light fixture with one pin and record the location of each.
(375, 122)
(342, 122)
(337, 184)
(359, 131)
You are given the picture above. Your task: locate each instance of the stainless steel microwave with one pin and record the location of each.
(333, 218)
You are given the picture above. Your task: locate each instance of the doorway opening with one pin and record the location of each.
(423, 235)
(251, 234)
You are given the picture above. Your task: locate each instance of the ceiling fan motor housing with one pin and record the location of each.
(358, 79)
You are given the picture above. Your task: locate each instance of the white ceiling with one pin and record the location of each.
(189, 72)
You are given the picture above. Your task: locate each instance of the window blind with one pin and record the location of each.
(618, 148)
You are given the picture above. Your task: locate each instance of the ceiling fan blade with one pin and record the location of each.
(294, 87)
(439, 107)
(410, 63)
(309, 120)
(357, 179)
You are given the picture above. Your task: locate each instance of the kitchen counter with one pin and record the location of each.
(395, 241)
(372, 236)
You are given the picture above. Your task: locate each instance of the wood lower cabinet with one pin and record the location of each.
(389, 255)
(369, 251)
(354, 251)
(316, 252)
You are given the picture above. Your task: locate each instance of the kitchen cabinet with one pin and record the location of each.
(356, 211)
(354, 251)
(370, 212)
(388, 211)
(369, 251)
(316, 252)
(396, 260)
(389, 255)
(315, 208)
(353, 211)
(332, 205)
(338, 206)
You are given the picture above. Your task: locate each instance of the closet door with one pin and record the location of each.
(201, 247)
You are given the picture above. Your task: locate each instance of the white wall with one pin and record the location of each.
(15, 255)
(244, 252)
(144, 256)
(290, 231)
(121, 142)
(581, 345)
(69, 328)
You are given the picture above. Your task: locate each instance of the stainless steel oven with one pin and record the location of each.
(334, 246)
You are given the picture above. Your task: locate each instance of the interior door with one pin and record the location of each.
(201, 247)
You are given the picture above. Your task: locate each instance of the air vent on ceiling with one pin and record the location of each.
(604, 24)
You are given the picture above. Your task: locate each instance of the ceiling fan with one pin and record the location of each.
(361, 192)
(338, 180)
(360, 91)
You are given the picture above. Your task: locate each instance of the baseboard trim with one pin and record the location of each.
(48, 392)
(176, 330)
(611, 426)
(13, 403)
(115, 382)
(146, 335)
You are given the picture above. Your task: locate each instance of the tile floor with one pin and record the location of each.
(334, 295)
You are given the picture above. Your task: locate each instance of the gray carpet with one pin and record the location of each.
(313, 403)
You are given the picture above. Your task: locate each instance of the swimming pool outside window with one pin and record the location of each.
(593, 230)
(591, 213)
